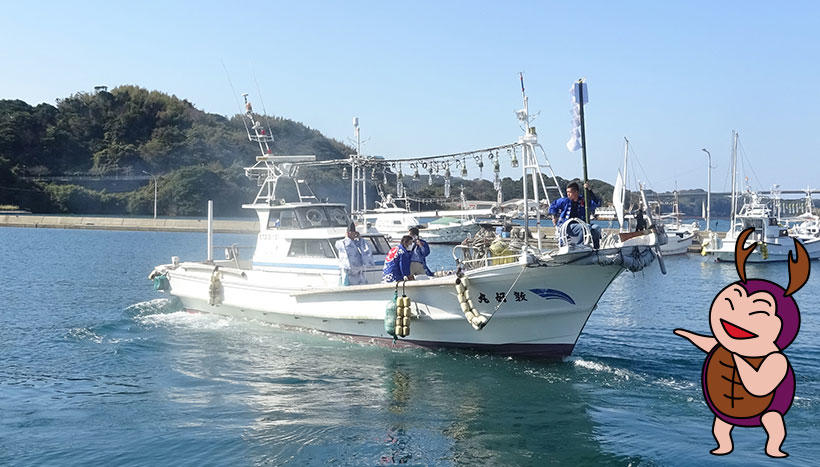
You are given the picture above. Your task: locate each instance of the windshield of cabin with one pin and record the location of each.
(307, 217)
(378, 244)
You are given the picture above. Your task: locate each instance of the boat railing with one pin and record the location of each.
(562, 235)
(473, 257)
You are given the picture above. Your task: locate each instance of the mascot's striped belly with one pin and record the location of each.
(724, 390)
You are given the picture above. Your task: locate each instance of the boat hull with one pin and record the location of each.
(542, 316)
(773, 252)
(677, 245)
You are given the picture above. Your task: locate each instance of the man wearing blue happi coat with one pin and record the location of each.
(563, 209)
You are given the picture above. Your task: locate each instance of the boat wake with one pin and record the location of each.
(84, 334)
(603, 368)
(185, 319)
(169, 312)
(622, 375)
(157, 305)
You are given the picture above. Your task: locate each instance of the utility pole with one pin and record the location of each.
(708, 188)
(155, 191)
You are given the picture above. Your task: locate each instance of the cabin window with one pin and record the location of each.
(397, 222)
(311, 248)
(379, 245)
(338, 216)
(273, 219)
(314, 217)
(288, 220)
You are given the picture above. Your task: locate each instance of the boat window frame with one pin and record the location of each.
(329, 251)
(298, 218)
(375, 246)
(296, 223)
(329, 214)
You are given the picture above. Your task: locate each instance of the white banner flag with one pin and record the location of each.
(618, 200)
(574, 142)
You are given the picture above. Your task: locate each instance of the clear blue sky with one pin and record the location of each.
(437, 77)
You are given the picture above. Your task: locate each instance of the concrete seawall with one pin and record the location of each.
(126, 223)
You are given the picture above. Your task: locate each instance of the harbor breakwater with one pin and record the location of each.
(126, 223)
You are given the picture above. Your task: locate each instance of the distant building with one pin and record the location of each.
(98, 89)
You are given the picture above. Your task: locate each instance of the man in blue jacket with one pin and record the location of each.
(563, 209)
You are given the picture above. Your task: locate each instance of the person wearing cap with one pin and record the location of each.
(418, 255)
(354, 257)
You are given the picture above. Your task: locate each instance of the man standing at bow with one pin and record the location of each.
(563, 209)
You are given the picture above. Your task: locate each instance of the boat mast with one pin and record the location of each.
(362, 169)
(626, 155)
(353, 172)
(530, 162)
(358, 199)
(734, 183)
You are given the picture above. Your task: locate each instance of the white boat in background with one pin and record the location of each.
(680, 236)
(676, 242)
(776, 241)
(805, 226)
(526, 301)
(606, 213)
(394, 222)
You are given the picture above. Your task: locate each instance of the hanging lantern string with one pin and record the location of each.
(417, 159)
(456, 156)
(453, 155)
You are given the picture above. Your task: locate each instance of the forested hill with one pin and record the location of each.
(127, 131)
(196, 155)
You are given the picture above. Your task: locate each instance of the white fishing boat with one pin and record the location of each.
(680, 236)
(394, 222)
(776, 242)
(528, 301)
(805, 226)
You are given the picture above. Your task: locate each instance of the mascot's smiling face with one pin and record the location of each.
(745, 323)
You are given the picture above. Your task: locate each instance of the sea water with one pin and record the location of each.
(96, 368)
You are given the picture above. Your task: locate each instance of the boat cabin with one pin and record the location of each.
(301, 238)
(766, 226)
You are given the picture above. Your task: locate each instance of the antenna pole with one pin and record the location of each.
(626, 168)
(525, 117)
